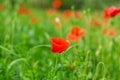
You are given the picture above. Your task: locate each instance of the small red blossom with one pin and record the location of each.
(23, 10)
(94, 23)
(67, 13)
(51, 11)
(82, 32)
(75, 30)
(112, 33)
(56, 4)
(2, 7)
(34, 20)
(76, 33)
(105, 31)
(59, 45)
(77, 14)
(72, 37)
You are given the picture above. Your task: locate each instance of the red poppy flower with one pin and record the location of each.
(105, 31)
(23, 10)
(1, 7)
(72, 37)
(77, 14)
(94, 23)
(74, 34)
(111, 12)
(67, 13)
(51, 11)
(112, 33)
(56, 4)
(82, 32)
(34, 20)
(59, 45)
(75, 30)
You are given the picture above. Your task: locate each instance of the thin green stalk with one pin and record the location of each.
(97, 71)
(55, 68)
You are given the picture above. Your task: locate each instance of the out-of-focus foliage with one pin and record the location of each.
(66, 4)
(100, 4)
(26, 33)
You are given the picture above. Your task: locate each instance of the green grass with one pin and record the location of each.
(25, 51)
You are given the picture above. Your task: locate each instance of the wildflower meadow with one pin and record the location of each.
(59, 44)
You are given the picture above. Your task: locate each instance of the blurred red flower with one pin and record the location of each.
(67, 13)
(94, 23)
(82, 32)
(104, 31)
(51, 11)
(34, 20)
(56, 4)
(76, 33)
(112, 33)
(77, 14)
(2, 7)
(59, 45)
(111, 12)
(72, 37)
(23, 10)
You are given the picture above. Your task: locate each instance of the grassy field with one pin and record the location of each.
(25, 47)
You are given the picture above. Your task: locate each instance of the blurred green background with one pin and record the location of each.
(66, 4)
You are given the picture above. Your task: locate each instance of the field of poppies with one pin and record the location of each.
(49, 44)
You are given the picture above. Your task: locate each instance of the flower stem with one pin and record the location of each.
(55, 68)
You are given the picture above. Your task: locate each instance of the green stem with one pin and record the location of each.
(97, 70)
(55, 68)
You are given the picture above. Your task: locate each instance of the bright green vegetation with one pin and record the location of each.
(25, 51)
